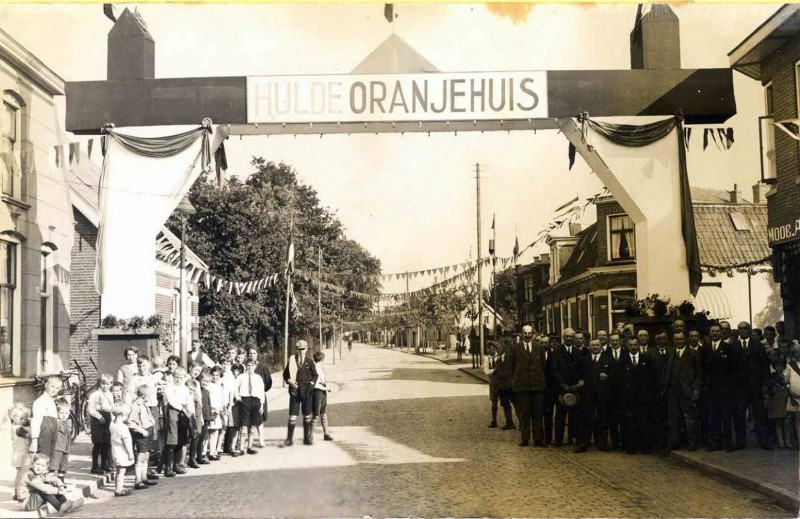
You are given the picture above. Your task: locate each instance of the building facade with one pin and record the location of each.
(531, 279)
(771, 55)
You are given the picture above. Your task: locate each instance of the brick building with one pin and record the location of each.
(771, 55)
(531, 279)
(85, 301)
(592, 277)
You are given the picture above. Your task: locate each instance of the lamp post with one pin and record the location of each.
(185, 209)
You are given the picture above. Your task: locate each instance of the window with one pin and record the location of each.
(619, 300)
(9, 143)
(591, 313)
(739, 221)
(8, 284)
(528, 281)
(564, 316)
(621, 238)
(766, 137)
(46, 305)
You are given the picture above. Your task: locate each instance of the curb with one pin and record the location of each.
(480, 376)
(785, 498)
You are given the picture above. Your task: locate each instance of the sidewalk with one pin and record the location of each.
(775, 474)
(81, 482)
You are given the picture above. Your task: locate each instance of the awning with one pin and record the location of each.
(713, 300)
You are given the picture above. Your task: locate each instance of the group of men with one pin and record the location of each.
(644, 398)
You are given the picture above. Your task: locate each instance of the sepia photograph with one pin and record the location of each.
(368, 260)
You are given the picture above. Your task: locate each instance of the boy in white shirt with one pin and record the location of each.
(320, 398)
(249, 392)
(180, 405)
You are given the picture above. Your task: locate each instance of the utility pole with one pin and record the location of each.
(408, 345)
(492, 249)
(480, 277)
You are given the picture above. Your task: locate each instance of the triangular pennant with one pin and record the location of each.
(89, 147)
(722, 138)
(705, 138)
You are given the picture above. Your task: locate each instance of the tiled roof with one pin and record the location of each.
(584, 255)
(721, 244)
(710, 195)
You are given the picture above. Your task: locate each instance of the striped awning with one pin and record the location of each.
(713, 300)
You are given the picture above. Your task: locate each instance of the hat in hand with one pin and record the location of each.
(569, 399)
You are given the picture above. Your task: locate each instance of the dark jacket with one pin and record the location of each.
(683, 374)
(717, 370)
(551, 390)
(754, 366)
(306, 375)
(640, 382)
(503, 371)
(528, 368)
(566, 367)
(615, 367)
(593, 387)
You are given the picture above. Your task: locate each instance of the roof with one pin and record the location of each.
(765, 41)
(84, 183)
(584, 255)
(721, 244)
(394, 56)
(25, 61)
(712, 196)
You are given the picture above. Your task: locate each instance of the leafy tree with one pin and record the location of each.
(242, 233)
(506, 298)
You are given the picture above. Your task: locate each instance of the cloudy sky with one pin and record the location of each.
(410, 199)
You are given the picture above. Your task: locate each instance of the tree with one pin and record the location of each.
(506, 284)
(242, 233)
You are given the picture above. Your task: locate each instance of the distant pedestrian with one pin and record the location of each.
(474, 348)
(320, 398)
(300, 375)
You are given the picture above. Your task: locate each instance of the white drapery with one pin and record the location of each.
(137, 195)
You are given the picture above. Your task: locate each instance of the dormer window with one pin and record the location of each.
(621, 238)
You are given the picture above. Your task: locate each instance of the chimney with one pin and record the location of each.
(736, 195)
(760, 193)
(131, 49)
(574, 229)
(655, 40)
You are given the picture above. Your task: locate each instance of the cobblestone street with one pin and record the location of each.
(411, 440)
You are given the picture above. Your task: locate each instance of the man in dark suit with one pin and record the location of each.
(550, 344)
(644, 340)
(658, 412)
(527, 361)
(696, 344)
(595, 397)
(566, 373)
(639, 390)
(681, 383)
(755, 366)
(616, 415)
(717, 358)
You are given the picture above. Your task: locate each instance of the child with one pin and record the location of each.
(44, 488)
(777, 395)
(320, 398)
(20, 441)
(207, 412)
(117, 391)
(250, 394)
(233, 414)
(126, 373)
(60, 458)
(121, 448)
(158, 366)
(216, 400)
(141, 425)
(241, 356)
(99, 406)
(195, 422)
(178, 399)
(145, 377)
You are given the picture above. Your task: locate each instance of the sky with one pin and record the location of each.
(411, 200)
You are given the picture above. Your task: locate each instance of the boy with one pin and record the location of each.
(300, 375)
(60, 458)
(320, 399)
(196, 424)
(233, 415)
(249, 393)
(178, 400)
(44, 419)
(99, 407)
(141, 425)
(117, 390)
(44, 488)
(203, 443)
(145, 377)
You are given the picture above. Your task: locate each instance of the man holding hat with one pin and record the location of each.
(527, 361)
(300, 374)
(566, 372)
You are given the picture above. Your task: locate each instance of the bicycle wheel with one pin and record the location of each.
(74, 427)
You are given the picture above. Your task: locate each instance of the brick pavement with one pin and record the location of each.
(411, 440)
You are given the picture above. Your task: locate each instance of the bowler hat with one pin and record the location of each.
(569, 399)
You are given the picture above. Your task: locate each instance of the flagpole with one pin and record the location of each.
(289, 266)
(480, 277)
(319, 296)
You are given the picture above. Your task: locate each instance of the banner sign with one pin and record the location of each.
(397, 97)
(783, 233)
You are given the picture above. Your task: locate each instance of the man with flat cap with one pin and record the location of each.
(300, 375)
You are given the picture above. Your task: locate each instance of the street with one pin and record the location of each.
(411, 439)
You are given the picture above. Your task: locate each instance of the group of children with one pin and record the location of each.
(149, 419)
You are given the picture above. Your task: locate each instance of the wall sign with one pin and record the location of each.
(782, 233)
(397, 97)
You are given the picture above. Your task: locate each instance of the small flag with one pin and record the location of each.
(516, 247)
(493, 221)
(388, 12)
(89, 147)
(108, 10)
(566, 208)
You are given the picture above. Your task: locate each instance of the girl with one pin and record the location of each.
(45, 488)
(121, 448)
(126, 373)
(178, 400)
(21, 441)
(99, 406)
(216, 398)
(777, 395)
(141, 425)
(233, 415)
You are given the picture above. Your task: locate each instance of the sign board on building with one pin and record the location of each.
(784, 232)
(397, 97)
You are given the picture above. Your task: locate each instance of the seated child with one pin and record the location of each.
(121, 448)
(60, 457)
(44, 488)
(20, 441)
